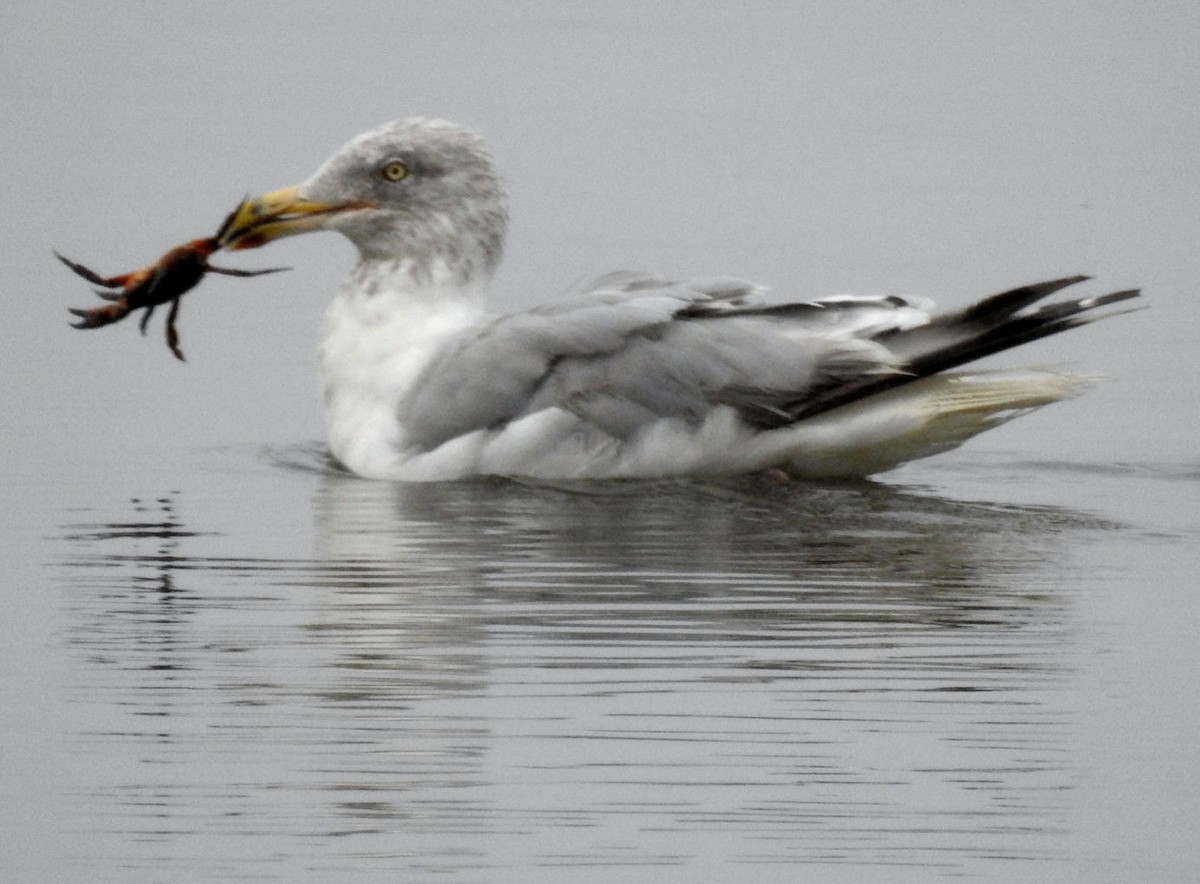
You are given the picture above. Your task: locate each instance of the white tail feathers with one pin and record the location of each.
(925, 417)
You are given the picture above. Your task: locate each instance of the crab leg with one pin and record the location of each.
(172, 332)
(90, 275)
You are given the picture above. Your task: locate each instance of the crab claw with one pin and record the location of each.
(98, 316)
(88, 319)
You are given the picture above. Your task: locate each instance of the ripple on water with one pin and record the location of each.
(489, 675)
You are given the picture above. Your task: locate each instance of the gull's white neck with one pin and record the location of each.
(382, 329)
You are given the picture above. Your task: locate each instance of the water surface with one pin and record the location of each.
(490, 678)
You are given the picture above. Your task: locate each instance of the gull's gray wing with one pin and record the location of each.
(633, 348)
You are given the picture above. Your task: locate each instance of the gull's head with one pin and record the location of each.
(418, 191)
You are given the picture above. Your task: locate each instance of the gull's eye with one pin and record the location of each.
(394, 171)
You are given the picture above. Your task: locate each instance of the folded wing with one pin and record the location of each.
(632, 350)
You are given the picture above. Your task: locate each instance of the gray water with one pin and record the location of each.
(224, 659)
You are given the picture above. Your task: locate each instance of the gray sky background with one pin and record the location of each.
(941, 148)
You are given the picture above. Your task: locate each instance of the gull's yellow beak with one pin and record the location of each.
(261, 219)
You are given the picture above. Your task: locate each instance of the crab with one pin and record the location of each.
(165, 281)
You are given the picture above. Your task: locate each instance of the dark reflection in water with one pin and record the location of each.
(489, 678)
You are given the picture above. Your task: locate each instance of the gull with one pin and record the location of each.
(633, 375)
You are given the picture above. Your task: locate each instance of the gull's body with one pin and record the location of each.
(634, 376)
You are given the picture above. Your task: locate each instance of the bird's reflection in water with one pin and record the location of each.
(851, 652)
(863, 550)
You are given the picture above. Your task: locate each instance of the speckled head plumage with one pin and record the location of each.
(418, 190)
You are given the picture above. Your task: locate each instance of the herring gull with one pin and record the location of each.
(634, 375)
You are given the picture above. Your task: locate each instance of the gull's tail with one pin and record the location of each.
(923, 417)
(877, 423)
(992, 325)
